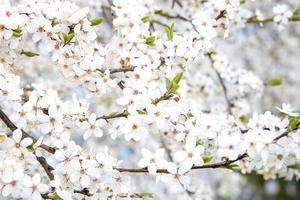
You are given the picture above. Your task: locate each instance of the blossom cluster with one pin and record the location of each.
(159, 85)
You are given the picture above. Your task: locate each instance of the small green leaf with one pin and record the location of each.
(295, 167)
(178, 77)
(242, 1)
(30, 148)
(55, 197)
(168, 84)
(243, 118)
(293, 122)
(96, 21)
(147, 195)
(68, 37)
(159, 11)
(207, 159)
(170, 31)
(145, 19)
(174, 88)
(232, 166)
(199, 142)
(276, 81)
(181, 65)
(125, 112)
(142, 112)
(112, 114)
(150, 40)
(17, 32)
(29, 53)
(296, 14)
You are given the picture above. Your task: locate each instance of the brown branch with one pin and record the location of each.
(254, 19)
(124, 70)
(223, 164)
(228, 102)
(165, 171)
(113, 116)
(166, 96)
(41, 160)
(174, 2)
(13, 127)
(222, 14)
(46, 167)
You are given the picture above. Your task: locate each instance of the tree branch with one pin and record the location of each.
(124, 70)
(228, 102)
(13, 127)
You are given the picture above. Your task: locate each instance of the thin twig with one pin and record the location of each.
(228, 102)
(46, 167)
(124, 70)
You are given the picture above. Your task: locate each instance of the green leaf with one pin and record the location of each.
(173, 85)
(17, 32)
(297, 11)
(68, 37)
(170, 31)
(159, 11)
(232, 166)
(145, 19)
(96, 21)
(295, 167)
(55, 197)
(142, 112)
(125, 112)
(147, 195)
(242, 1)
(30, 148)
(199, 142)
(276, 81)
(296, 14)
(243, 118)
(178, 77)
(168, 84)
(150, 40)
(29, 53)
(207, 159)
(293, 122)
(181, 65)
(174, 88)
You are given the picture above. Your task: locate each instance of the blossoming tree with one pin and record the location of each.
(101, 98)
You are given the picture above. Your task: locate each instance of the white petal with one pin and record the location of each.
(180, 155)
(26, 142)
(17, 135)
(152, 168)
(85, 181)
(92, 118)
(27, 181)
(159, 153)
(36, 179)
(87, 134)
(143, 162)
(36, 196)
(172, 168)
(43, 188)
(7, 190)
(146, 153)
(98, 132)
